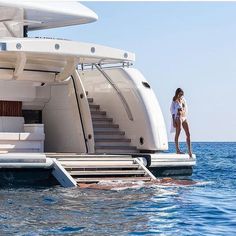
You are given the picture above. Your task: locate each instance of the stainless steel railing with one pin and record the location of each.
(118, 91)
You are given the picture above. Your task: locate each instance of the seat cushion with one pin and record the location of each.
(11, 124)
(32, 137)
(9, 136)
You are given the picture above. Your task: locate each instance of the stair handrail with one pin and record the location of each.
(145, 168)
(121, 96)
(87, 127)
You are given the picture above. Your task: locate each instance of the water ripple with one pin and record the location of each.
(205, 208)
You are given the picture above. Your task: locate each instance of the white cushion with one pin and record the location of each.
(10, 136)
(11, 124)
(34, 128)
(32, 136)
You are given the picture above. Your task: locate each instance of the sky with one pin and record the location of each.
(191, 45)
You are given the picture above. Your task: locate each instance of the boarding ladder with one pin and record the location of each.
(96, 168)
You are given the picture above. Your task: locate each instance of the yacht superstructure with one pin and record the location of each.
(72, 111)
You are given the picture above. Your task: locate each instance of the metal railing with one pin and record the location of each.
(119, 93)
(148, 172)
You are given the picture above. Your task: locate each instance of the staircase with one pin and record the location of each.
(95, 168)
(108, 137)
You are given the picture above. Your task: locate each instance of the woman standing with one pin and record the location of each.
(179, 119)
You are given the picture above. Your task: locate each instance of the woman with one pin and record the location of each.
(179, 119)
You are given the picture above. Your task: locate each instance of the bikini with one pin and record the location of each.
(177, 115)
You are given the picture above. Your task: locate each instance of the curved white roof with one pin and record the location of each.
(47, 14)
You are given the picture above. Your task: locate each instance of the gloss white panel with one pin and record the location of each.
(45, 14)
(11, 124)
(147, 123)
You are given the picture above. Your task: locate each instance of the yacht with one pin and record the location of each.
(74, 112)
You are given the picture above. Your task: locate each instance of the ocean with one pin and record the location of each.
(205, 207)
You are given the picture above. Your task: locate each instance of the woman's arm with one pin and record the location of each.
(172, 110)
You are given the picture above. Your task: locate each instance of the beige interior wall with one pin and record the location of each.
(63, 130)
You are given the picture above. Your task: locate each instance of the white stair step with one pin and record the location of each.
(108, 132)
(98, 115)
(111, 129)
(90, 100)
(112, 143)
(117, 147)
(121, 139)
(21, 160)
(97, 112)
(112, 151)
(114, 136)
(94, 107)
(102, 119)
(95, 180)
(100, 166)
(97, 163)
(105, 125)
(20, 150)
(87, 156)
(61, 159)
(20, 144)
(94, 158)
(108, 172)
(110, 139)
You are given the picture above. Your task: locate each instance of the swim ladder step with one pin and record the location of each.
(96, 180)
(107, 172)
(99, 166)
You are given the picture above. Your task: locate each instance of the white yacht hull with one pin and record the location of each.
(35, 169)
(60, 96)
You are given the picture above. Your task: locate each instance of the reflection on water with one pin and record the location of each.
(61, 211)
(206, 207)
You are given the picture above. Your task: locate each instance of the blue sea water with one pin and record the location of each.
(205, 208)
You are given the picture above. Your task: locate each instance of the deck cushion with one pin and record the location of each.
(32, 137)
(9, 136)
(11, 124)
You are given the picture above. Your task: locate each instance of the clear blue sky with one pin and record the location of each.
(184, 44)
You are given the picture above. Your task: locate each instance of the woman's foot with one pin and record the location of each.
(179, 152)
(190, 154)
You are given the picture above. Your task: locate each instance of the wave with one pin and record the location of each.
(120, 185)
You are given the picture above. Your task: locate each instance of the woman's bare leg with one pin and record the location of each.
(177, 133)
(186, 129)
